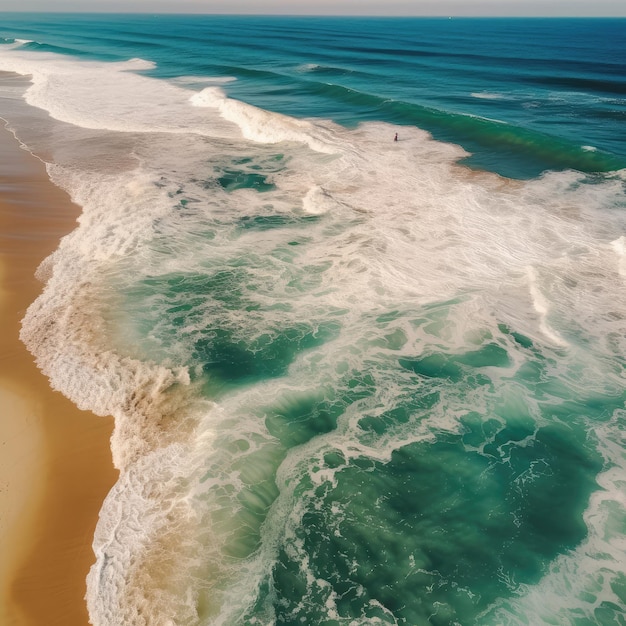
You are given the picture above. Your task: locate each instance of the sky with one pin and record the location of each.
(542, 8)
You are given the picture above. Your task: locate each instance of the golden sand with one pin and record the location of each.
(55, 462)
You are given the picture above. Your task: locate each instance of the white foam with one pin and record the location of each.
(133, 65)
(308, 67)
(542, 307)
(264, 126)
(401, 228)
(108, 96)
(318, 201)
(619, 245)
(383, 228)
(486, 95)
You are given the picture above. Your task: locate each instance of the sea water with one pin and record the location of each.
(354, 380)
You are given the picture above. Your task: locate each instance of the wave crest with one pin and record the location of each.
(264, 126)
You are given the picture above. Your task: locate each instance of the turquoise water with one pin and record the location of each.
(355, 380)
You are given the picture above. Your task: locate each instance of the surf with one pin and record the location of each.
(333, 359)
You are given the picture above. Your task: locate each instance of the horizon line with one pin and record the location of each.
(306, 15)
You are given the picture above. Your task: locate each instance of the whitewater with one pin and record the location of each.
(354, 380)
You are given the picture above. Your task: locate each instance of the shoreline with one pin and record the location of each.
(55, 460)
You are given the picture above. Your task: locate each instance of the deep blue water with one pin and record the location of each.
(355, 380)
(523, 95)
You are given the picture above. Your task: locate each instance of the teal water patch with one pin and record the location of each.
(451, 524)
(217, 324)
(297, 417)
(509, 150)
(249, 173)
(233, 179)
(271, 222)
(522, 340)
(231, 359)
(242, 509)
(453, 366)
(435, 535)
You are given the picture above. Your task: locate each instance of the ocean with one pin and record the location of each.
(355, 380)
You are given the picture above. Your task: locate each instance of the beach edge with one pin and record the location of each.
(56, 466)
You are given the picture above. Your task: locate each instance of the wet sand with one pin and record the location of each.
(55, 461)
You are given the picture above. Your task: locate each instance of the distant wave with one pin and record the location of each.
(15, 42)
(36, 46)
(324, 69)
(308, 67)
(486, 95)
(583, 84)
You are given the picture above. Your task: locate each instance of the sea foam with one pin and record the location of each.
(240, 273)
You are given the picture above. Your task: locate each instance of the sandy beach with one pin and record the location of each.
(55, 462)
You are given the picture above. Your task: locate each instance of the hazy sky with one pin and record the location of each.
(334, 7)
